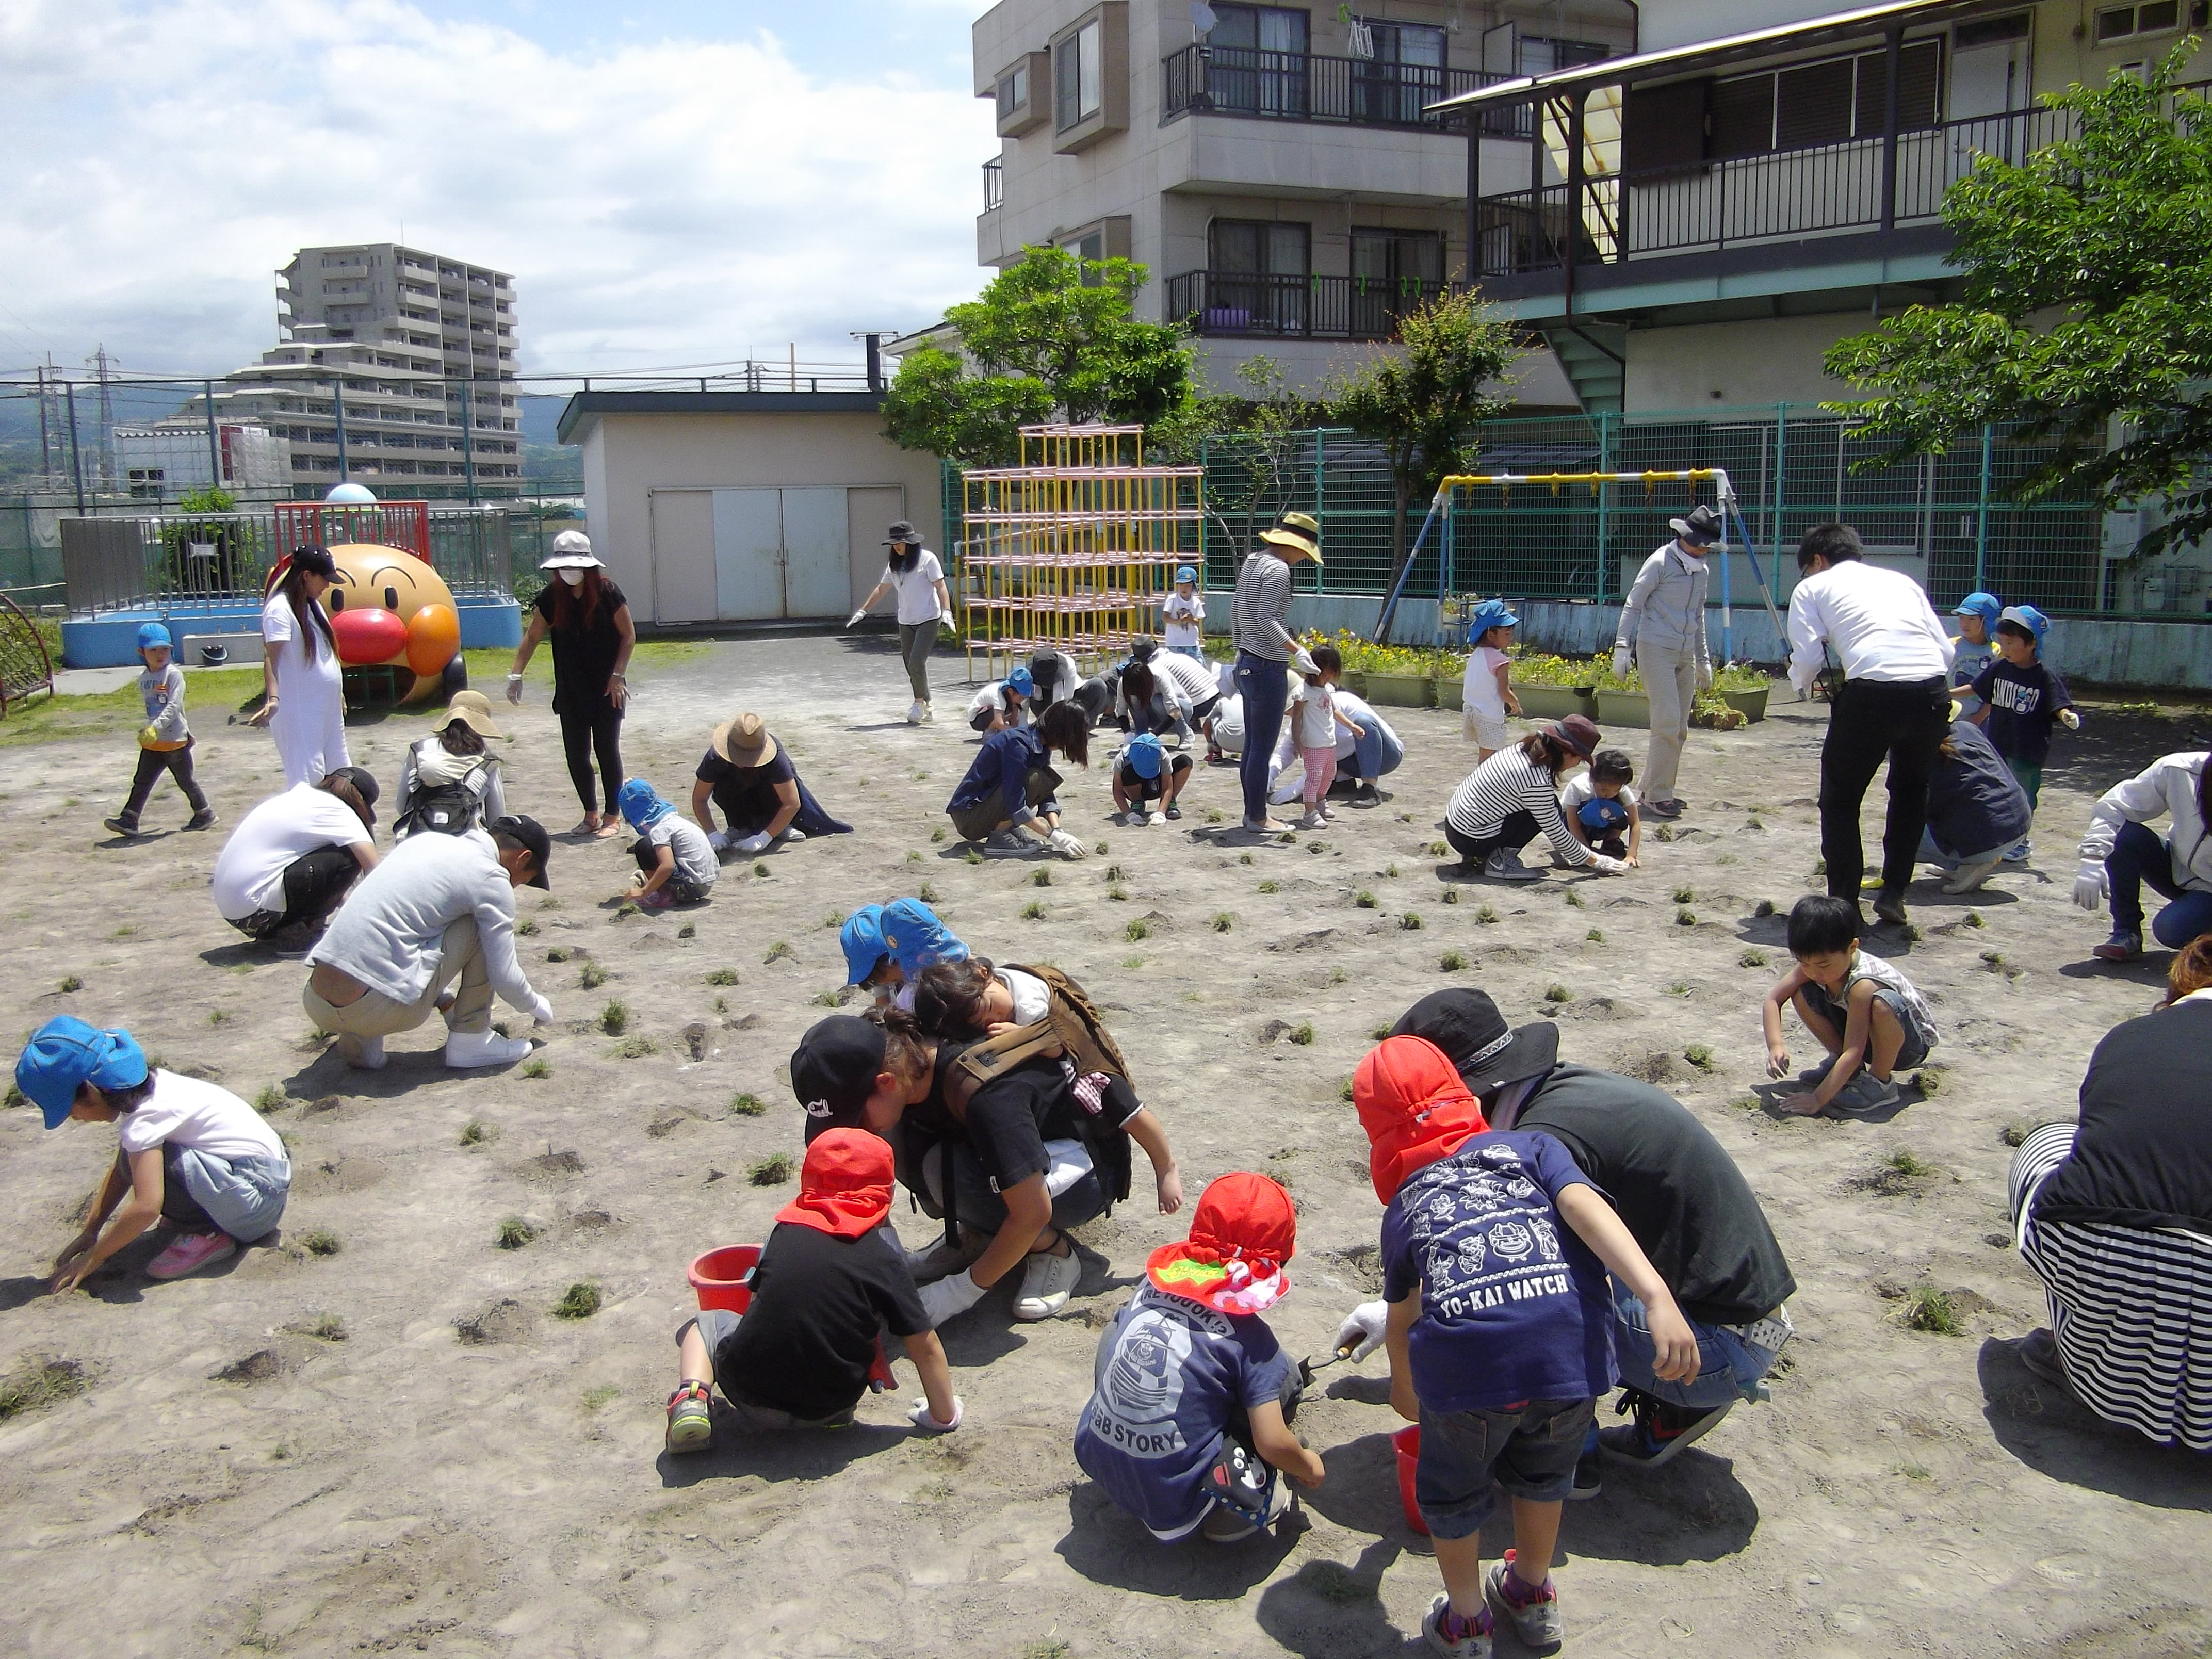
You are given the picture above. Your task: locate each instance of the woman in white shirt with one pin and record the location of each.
(913, 572)
(304, 708)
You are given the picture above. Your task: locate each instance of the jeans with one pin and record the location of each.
(1264, 684)
(1728, 1368)
(986, 1211)
(1530, 1449)
(915, 641)
(2140, 859)
(152, 762)
(242, 1196)
(1904, 722)
(1376, 755)
(582, 734)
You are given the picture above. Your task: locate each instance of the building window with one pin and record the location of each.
(1013, 90)
(1831, 101)
(2157, 17)
(1079, 77)
(1259, 247)
(1256, 62)
(1540, 53)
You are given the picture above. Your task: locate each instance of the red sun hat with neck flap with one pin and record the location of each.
(1415, 1108)
(1242, 1233)
(844, 1185)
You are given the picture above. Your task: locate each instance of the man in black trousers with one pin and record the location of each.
(1894, 702)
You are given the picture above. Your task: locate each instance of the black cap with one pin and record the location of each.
(317, 562)
(364, 783)
(902, 532)
(1486, 1052)
(832, 1071)
(532, 833)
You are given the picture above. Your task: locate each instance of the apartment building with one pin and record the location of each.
(393, 363)
(162, 459)
(1279, 169)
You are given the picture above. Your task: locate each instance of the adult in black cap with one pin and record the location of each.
(913, 571)
(1664, 617)
(293, 858)
(1678, 1193)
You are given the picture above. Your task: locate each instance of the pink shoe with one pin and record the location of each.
(189, 1253)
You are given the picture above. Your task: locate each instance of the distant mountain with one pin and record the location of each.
(541, 415)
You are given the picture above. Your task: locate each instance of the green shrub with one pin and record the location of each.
(1303, 1035)
(514, 1233)
(614, 1018)
(770, 1171)
(580, 1301)
(748, 1105)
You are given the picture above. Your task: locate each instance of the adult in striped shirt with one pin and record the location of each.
(1513, 796)
(1258, 620)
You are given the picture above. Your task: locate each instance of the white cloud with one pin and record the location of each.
(669, 201)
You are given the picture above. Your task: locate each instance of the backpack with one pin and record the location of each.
(451, 808)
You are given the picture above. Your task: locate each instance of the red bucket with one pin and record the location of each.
(1406, 1443)
(719, 1277)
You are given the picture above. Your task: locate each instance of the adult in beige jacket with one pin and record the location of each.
(1664, 619)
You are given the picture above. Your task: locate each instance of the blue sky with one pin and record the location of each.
(682, 183)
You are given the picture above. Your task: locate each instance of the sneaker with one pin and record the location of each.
(1173, 812)
(1454, 1637)
(1010, 844)
(690, 1418)
(122, 825)
(1889, 906)
(1969, 877)
(1134, 818)
(366, 1053)
(1817, 1075)
(189, 1252)
(1865, 1093)
(1590, 1476)
(1157, 819)
(1659, 1429)
(658, 899)
(1505, 865)
(1048, 1280)
(1315, 819)
(1224, 1525)
(793, 837)
(202, 819)
(917, 712)
(928, 714)
(1663, 808)
(1534, 1613)
(2124, 945)
(2038, 1352)
(1367, 795)
(2018, 854)
(469, 1050)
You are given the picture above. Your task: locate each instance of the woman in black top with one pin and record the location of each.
(593, 636)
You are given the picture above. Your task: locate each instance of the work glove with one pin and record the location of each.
(1066, 845)
(921, 1418)
(752, 844)
(2070, 720)
(1304, 662)
(1362, 1330)
(854, 621)
(718, 840)
(541, 1008)
(948, 1296)
(1704, 676)
(1609, 866)
(2088, 884)
(1620, 662)
(514, 690)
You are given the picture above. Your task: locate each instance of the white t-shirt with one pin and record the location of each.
(1032, 996)
(249, 871)
(200, 1116)
(1478, 691)
(1313, 707)
(1228, 732)
(1182, 614)
(992, 700)
(1186, 683)
(1578, 790)
(695, 854)
(917, 589)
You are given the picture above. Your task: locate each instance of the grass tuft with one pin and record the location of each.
(1224, 922)
(926, 893)
(41, 1383)
(1033, 911)
(1041, 879)
(779, 951)
(605, 1394)
(476, 1131)
(614, 1018)
(1908, 1162)
(1556, 993)
(320, 1240)
(971, 856)
(635, 1047)
(1486, 915)
(1363, 899)
(536, 1069)
(591, 977)
(72, 982)
(1410, 921)
(1302, 1035)
(771, 1171)
(1699, 1056)
(1243, 858)
(1685, 896)
(580, 1302)
(1764, 909)
(1752, 959)
(1451, 962)
(272, 1098)
(1686, 917)
(1928, 1309)
(1575, 900)
(1137, 929)
(1271, 886)
(689, 930)
(937, 835)
(514, 1233)
(1973, 919)
(722, 976)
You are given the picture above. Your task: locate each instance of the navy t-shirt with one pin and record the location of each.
(1169, 1376)
(1514, 1305)
(2024, 704)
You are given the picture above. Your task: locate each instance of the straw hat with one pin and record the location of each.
(744, 741)
(1298, 534)
(473, 710)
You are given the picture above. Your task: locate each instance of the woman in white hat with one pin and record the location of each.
(912, 570)
(589, 620)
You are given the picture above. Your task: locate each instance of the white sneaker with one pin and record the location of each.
(1047, 1282)
(927, 713)
(917, 712)
(366, 1053)
(792, 836)
(1157, 819)
(1314, 819)
(467, 1050)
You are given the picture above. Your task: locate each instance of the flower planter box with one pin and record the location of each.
(1752, 705)
(1630, 709)
(1451, 693)
(1400, 690)
(1553, 702)
(1353, 680)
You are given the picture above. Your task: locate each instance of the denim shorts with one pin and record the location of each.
(1530, 1449)
(1914, 1049)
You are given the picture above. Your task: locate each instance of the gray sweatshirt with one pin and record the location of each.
(164, 696)
(1666, 606)
(386, 933)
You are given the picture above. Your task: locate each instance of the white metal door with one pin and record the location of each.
(1988, 80)
(748, 555)
(817, 555)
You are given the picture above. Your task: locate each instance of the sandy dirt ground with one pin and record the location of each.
(465, 1472)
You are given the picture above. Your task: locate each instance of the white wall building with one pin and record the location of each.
(168, 458)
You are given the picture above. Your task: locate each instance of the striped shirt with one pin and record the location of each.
(1262, 603)
(1508, 782)
(2128, 1305)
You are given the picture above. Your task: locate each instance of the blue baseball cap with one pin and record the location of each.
(1984, 605)
(916, 936)
(1491, 613)
(1185, 573)
(861, 939)
(2028, 617)
(1020, 681)
(153, 633)
(64, 1053)
(640, 805)
(1144, 756)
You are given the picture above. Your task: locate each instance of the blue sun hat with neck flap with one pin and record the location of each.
(861, 939)
(64, 1053)
(917, 938)
(640, 807)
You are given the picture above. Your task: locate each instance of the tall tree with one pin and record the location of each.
(1052, 336)
(1426, 402)
(2084, 316)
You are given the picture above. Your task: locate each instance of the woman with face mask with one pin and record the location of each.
(589, 620)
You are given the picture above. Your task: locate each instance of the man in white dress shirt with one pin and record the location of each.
(1893, 702)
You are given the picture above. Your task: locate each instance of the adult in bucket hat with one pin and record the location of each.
(1187, 1428)
(1663, 618)
(751, 781)
(449, 780)
(1266, 651)
(587, 617)
(913, 572)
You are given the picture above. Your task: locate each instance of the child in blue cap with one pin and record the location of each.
(1976, 646)
(190, 1153)
(1144, 775)
(1183, 615)
(901, 938)
(1003, 703)
(2025, 700)
(1485, 698)
(165, 741)
(676, 862)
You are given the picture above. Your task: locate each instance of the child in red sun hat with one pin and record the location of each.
(1189, 1423)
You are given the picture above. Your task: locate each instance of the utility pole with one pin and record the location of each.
(76, 458)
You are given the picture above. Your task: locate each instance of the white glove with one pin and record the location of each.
(948, 1296)
(1362, 1330)
(1609, 866)
(854, 621)
(1621, 663)
(541, 1009)
(718, 840)
(1066, 845)
(2070, 720)
(921, 1418)
(752, 844)
(2088, 886)
(1303, 661)
(1705, 677)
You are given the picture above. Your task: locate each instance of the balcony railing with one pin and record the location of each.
(1236, 302)
(994, 184)
(1296, 85)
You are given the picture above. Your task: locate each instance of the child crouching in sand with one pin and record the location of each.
(676, 863)
(831, 1275)
(1860, 1008)
(190, 1154)
(1189, 1423)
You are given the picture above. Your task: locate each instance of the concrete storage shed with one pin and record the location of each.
(726, 507)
